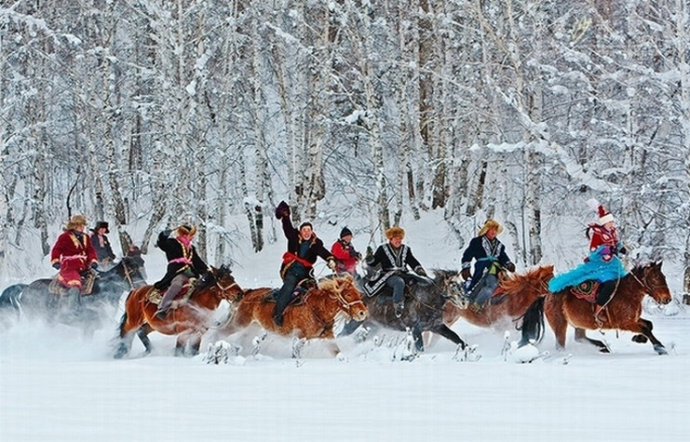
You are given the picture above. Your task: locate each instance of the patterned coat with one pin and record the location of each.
(346, 256)
(485, 252)
(181, 258)
(301, 253)
(604, 237)
(392, 262)
(75, 253)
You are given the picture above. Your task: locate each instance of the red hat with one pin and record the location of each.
(604, 215)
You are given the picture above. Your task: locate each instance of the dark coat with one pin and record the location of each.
(307, 253)
(392, 262)
(485, 252)
(106, 251)
(175, 249)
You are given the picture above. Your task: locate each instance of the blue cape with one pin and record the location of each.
(595, 269)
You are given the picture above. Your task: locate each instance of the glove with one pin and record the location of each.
(56, 266)
(94, 265)
(370, 252)
(623, 251)
(166, 232)
(465, 273)
(282, 210)
(331, 264)
(352, 252)
(358, 256)
(420, 271)
(510, 267)
(606, 250)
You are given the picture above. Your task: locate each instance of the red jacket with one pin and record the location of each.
(74, 255)
(346, 256)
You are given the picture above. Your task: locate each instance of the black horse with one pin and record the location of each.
(35, 300)
(424, 305)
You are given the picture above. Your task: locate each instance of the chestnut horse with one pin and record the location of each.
(312, 317)
(621, 313)
(189, 321)
(510, 302)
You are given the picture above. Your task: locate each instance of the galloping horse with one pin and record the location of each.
(189, 321)
(36, 300)
(312, 317)
(622, 312)
(510, 302)
(425, 304)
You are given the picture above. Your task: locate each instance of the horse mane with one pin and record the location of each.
(519, 283)
(335, 284)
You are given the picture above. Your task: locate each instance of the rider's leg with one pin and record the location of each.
(398, 285)
(175, 286)
(605, 291)
(284, 296)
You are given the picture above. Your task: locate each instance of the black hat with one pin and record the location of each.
(345, 232)
(100, 224)
(304, 224)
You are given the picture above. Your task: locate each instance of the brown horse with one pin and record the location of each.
(509, 302)
(312, 317)
(189, 321)
(621, 313)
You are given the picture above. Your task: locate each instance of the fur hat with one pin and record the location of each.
(603, 214)
(395, 232)
(488, 225)
(100, 224)
(345, 232)
(186, 229)
(75, 221)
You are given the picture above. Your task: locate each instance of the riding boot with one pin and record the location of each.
(398, 308)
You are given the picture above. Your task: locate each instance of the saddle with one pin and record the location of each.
(298, 295)
(586, 290)
(154, 296)
(88, 279)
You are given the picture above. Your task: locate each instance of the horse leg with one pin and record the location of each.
(180, 344)
(143, 334)
(553, 310)
(417, 336)
(195, 344)
(646, 331)
(126, 336)
(581, 336)
(449, 334)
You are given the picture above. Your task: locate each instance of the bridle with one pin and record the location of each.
(225, 288)
(344, 303)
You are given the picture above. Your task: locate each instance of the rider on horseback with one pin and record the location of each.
(490, 258)
(102, 245)
(603, 263)
(302, 250)
(72, 255)
(345, 254)
(183, 263)
(393, 258)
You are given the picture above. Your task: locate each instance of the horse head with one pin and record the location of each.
(222, 279)
(348, 297)
(132, 268)
(451, 284)
(653, 281)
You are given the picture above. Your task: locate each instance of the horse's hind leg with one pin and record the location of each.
(553, 310)
(581, 336)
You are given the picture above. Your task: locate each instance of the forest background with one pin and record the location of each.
(366, 113)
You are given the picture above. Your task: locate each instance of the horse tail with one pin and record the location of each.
(533, 323)
(11, 295)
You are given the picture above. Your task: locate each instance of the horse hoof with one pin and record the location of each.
(660, 349)
(120, 353)
(640, 339)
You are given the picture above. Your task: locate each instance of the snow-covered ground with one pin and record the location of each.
(59, 386)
